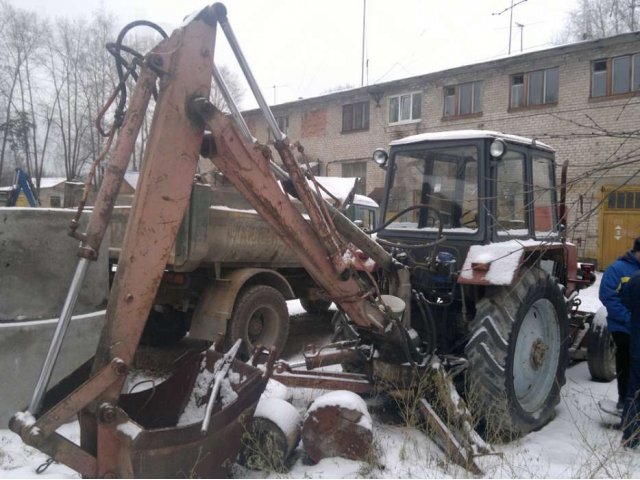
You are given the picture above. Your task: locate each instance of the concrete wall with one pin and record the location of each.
(23, 348)
(37, 262)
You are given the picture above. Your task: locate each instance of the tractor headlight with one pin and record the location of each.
(497, 148)
(380, 156)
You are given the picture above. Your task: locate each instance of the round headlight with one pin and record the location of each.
(380, 156)
(497, 148)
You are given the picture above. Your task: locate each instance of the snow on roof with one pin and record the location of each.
(364, 200)
(468, 135)
(503, 259)
(340, 187)
(50, 182)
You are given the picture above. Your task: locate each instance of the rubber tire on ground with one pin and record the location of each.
(315, 306)
(601, 351)
(267, 309)
(504, 413)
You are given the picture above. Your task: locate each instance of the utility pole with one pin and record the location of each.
(364, 19)
(510, 25)
(510, 9)
(521, 27)
(274, 91)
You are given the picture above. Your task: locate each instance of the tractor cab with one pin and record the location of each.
(472, 186)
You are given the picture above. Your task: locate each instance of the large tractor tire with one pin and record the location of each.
(260, 317)
(518, 354)
(601, 349)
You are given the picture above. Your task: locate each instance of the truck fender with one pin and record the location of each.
(216, 303)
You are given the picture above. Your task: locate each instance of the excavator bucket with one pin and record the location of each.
(161, 426)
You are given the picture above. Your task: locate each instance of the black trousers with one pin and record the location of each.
(623, 362)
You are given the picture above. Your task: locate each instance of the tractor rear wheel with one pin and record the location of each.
(260, 317)
(601, 349)
(518, 354)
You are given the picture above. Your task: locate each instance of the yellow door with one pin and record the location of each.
(619, 222)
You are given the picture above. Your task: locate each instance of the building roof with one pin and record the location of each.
(50, 182)
(495, 64)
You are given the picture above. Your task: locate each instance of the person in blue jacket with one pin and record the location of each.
(618, 316)
(630, 296)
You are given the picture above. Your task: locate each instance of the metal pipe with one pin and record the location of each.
(228, 98)
(219, 375)
(235, 47)
(58, 336)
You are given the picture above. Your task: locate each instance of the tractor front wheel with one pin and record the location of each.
(518, 354)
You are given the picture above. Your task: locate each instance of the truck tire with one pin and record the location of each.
(315, 307)
(165, 326)
(601, 349)
(518, 354)
(260, 317)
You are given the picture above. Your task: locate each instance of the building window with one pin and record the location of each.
(623, 200)
(405, 108)
(615, 76)
(355, 116)
(358, 170)
(463, 99)
(539, 87)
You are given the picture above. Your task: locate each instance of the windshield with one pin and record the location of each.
(444, 179)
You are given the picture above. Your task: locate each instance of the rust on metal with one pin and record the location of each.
(446, 439)
(247, 169)
(115, 169)
(77, 400)
(325, 380)
(332, 430)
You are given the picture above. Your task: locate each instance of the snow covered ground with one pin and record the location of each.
(579, 443)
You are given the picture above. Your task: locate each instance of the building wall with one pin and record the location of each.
(575, 126)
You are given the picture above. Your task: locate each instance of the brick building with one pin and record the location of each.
(571, 97)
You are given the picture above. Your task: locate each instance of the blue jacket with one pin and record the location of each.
(615, 276)
(630, 297)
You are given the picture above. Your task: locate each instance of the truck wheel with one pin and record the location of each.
(260, 317)
(601, 349)
(518, 354)
(165, 326)
(315, 306)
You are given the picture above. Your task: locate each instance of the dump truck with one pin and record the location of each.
(465, 288)
(229, 265)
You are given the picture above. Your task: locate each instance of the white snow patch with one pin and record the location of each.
(197, 404)
(276, 389)
(129, 429)
(347, 400)
(503, 259)
(364, 201)
(280, 412)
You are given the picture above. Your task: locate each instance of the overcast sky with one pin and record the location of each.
(306, 47)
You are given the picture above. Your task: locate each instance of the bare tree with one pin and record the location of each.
(20, 41)
(67, 70)
(593, 19)
(233, 84)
